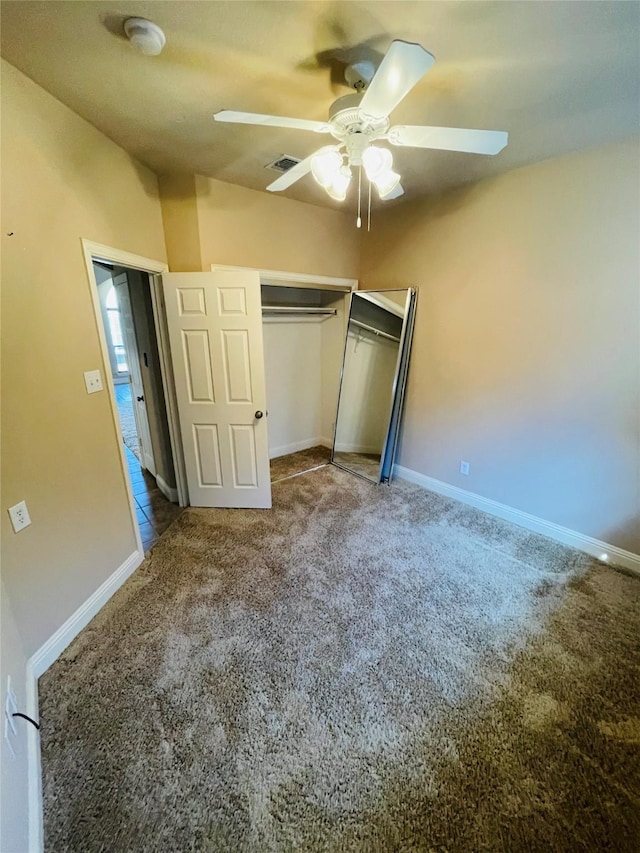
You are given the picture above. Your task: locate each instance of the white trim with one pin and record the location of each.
(58, 642)
(297, 279)
(34, 769)
(595, 547)
(357, 448)
(169, 492)
(39, 663)
(100, 252)
(93, 251)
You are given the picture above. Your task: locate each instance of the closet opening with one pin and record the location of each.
(304, 330)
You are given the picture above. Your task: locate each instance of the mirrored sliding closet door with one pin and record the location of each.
(374, 373)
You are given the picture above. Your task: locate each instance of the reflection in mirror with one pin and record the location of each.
(373, 377)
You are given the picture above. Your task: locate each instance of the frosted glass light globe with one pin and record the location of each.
(325, 166)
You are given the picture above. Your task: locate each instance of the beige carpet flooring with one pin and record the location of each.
(361, 668)
(364, 464)
(298, 463)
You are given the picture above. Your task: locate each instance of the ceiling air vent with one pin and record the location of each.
(284, 163)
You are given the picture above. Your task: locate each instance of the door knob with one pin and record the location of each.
(258, 415)
(140, 399)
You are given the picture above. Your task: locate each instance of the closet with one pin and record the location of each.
(303, 334)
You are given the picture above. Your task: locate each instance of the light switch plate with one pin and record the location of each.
(93, 381)
(19, 515)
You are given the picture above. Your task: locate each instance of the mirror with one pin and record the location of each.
(374, 371)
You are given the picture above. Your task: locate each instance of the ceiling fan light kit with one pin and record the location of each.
(325, 165)
(360, 119)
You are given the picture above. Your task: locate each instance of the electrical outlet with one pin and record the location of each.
(464, 467)
(93, 381)
(20, 517)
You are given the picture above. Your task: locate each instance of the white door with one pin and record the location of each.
(215, 335)
(121, 284)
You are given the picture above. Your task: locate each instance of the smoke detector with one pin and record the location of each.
(144, 35)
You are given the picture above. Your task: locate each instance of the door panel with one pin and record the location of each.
(197, 361)
(237, 366)
(215, 335)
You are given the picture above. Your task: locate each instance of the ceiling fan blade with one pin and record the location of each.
(395, 193)
(449, 138)
(292, 175)
(401, 68)
(271, 121)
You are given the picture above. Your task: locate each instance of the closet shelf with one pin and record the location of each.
(374, 330)
(288, 310)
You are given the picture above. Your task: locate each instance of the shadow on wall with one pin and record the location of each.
(626, 536)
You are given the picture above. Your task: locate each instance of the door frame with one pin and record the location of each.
(97, 251)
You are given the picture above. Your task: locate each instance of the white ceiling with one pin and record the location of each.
(558, 76)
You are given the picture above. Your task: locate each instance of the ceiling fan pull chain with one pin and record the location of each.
(369, 211)
(359, 219)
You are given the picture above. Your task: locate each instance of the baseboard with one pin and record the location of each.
(58, 642)
(357, 448)
(295, 447)
(39, 663)
(169, 492)
(34, 771)
(600, 550)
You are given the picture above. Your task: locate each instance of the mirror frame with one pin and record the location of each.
(398, 387)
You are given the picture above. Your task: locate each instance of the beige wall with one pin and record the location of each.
(180, 220)
(244, 227)
(526, 356)
(61, 180)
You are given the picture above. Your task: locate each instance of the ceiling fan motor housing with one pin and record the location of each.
(346, 119)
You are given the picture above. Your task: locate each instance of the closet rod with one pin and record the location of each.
(375, 331)
(302, 309)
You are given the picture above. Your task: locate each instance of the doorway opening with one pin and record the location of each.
(135, 377)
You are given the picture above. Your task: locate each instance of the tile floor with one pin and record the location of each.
(155, 513)
(127, 418)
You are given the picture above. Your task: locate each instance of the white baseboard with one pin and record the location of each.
(614, 556)
(169, 492)
(295, 447)
(357, 448)
(39, 663)
(58, 642)
(34, 771)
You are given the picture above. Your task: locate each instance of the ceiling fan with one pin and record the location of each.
(359, 120)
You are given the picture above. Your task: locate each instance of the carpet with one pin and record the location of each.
(364, 464)
(361, 668)
(298, 463)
